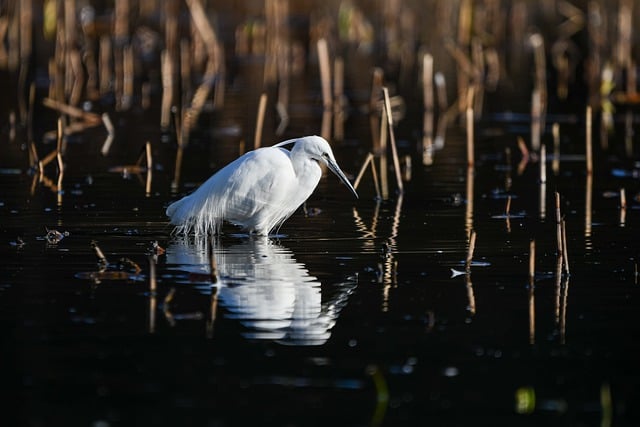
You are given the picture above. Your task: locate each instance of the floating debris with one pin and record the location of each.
(18, 243)
(102, 260)
(156, 249)
(54, 236)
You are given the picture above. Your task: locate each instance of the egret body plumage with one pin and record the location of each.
(259, 190)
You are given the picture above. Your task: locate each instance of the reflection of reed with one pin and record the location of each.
(588, 198)
(390, 265)
(152, 295)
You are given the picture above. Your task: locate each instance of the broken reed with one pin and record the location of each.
(369, 161)
(561, 235)
(394, 150)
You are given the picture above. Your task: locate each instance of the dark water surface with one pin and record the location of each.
(355, 314)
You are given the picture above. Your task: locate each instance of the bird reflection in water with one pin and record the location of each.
(262, 286)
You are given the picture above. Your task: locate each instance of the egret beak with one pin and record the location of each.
(336, 169)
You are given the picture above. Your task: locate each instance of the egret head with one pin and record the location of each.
(319, 150)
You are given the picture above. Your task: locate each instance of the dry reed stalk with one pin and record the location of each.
(427, 138)
(77, 71)
(623, 207)
(384, 181)
(128, 77)
(470, 137)
(102, 259)
(468, 216)
(466, 71)
(4, 56)
(13, 38)
(558, 293)
(394, 151)
(262, 106)
(105, 65)
(532, 259)
(325, 73)
(110, 134)
(525, 155)
(589, 146)
(178, 168)
(536, 117)
(543, 164)
(205, 30)
(48, 158)
(558, 224)
(70, 110)
(507, 208)
(121, 36)
(60, 163)
(477, 55)
(69, 44)
(325, 127)
(565, 253)
(427, 95)
(427, 81)
(26, 25)
(167, 89)
(471, 298)
(555, 165)
(149, 160)
(625, 22)
(338, 99)
(543, 200)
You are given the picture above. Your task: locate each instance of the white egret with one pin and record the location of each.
(259, 190)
